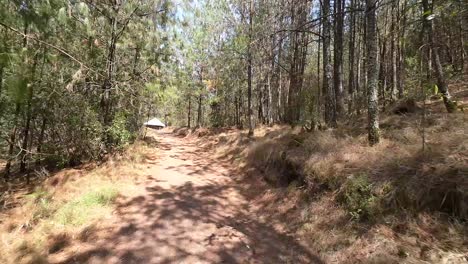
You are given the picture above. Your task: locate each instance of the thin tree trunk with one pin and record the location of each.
(461, 39)
(1, 81)
(40, 140)
(249, 71)
(393, 51)
(439, 72)
(401, 49)
(11, 147)
(383, 69)
(351, 47)
(359, 56)
(291, 108)
(302, 60)
(271, 105)
(189, 114)
(319, 88)
(338, 57)
(107, 85)
(372, 73)
(27, 126)
(278, 82)
(330, 106)
(136, 58)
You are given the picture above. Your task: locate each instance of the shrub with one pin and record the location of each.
(356, 194)
(120, 136)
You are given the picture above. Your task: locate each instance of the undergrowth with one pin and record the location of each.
(396, 195)
(67, 204)
(90, 205)
(358, 197)
(46, 218)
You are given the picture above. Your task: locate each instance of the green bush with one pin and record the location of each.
(356, 194)
(120, 136)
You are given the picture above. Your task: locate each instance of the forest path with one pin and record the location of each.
(192, 210)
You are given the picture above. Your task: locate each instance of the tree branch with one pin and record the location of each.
(59, 49)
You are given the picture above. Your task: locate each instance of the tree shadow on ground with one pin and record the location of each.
(206, 219)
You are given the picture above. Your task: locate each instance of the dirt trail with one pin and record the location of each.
(192, 210)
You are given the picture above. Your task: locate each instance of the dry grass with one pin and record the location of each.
(411, 203)
(67, 204)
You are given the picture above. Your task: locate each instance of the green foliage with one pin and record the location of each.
(17, 85)
(120, 136)
(356, 194)
(60, 90)
(216, 118)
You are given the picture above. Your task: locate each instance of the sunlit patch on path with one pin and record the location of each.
(189, 210)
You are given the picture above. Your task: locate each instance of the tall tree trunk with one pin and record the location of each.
(237, 105)
(319, 88)
(200, 101)
(401, 49)
(278, 83)
(109, 78)
(338, 57)
(41, 140)
(352, 49)
(461, 38)
(330, 105)
(302, 59)
(189, 114)
(383, 69)
(393, 51)
(11, 147)
(30, 91)
(271, 70)
(200, 109)
(249, 70)
(11, 144)
(136, 58)
(439, 72)
(1, 81)
(372, 73)
(292, 107)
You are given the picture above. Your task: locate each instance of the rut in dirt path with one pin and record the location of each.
(192, 211)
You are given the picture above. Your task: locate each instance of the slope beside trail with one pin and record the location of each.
(193, 208)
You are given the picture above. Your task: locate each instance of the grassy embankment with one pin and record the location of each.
(66, 206)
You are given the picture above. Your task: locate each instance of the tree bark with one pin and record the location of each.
(372, 73)
(189, 114)
(40, 140)
(338, 57)
(351, 47)
(249, 70)
(439, 72)
(330, 105)
(401, 48)
(393, 51)
(27, 126)
(200, 100)
(107, 85)
(1, 82)
(11, 147)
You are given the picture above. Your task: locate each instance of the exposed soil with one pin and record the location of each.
(192, 208)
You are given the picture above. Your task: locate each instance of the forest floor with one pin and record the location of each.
(219, 196)
(190, 209)
(186, 206)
